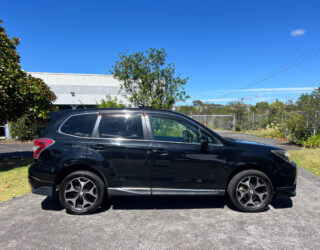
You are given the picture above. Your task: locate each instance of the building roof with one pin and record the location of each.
(78, 89)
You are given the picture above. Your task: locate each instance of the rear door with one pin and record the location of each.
(120, 139)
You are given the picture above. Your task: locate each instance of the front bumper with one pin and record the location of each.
(41, 187)
(286, 191)
(291, 179)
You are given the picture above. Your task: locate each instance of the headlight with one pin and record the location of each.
(282, 154)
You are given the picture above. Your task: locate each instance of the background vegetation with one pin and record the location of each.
(296, 122)
(23, 98)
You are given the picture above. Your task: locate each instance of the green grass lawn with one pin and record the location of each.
(14, 178)
(307, 158)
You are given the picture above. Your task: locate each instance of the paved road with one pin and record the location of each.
(15, 150)
(36, 222)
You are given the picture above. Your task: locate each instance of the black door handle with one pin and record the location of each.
(160, 151)
(98, 147)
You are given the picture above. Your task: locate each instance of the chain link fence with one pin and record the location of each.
(216, 122)
(253, 121)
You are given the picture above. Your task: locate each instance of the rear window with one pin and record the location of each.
(80, 125)
(124, 126)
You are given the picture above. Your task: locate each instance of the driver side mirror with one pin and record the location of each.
(204, 143)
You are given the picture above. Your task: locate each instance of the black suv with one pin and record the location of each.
(91, 154)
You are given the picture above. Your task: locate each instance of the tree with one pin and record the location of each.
(111, 103)
(19, 92)
(197, 103)
(147, 79)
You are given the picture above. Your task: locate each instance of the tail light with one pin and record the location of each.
(40, 145)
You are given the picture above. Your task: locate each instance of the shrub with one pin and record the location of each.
(27, 127)
(312, 142)
(293, 128)
(238, 128)
(111, 103)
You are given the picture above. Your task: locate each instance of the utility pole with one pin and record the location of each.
(252, 120)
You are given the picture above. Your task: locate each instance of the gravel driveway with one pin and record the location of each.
(36, 222)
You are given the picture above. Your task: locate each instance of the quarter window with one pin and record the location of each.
(166, 129)
(80, 125)
(124, 126)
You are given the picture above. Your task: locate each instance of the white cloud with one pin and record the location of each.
(298, 32)
(277, 89)
(220, 100)
(285, 90)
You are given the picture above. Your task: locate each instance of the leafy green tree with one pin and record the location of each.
(187, 110)
(111, 103)
(240, 110)
(147, 79)
(276, 113)
(19, 92)
(197, 103)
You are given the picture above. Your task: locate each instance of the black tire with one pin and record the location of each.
(88, 195)
(249, 199)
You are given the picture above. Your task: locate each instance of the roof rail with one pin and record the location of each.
(142, 106)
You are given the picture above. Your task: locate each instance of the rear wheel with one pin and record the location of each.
(81, 192)
(250, 191)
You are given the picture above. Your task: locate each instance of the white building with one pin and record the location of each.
(78, 90)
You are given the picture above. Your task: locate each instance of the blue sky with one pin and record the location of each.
(222, 46)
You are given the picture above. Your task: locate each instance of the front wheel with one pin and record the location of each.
(81, 192)
(250, 191)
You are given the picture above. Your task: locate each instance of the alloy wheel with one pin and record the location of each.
(252, 191)
(81, 193)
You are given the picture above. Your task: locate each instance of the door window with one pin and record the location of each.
(167, 129)
(123, 126)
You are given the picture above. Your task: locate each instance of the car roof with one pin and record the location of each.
(60, 113)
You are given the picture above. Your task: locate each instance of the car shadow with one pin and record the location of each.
(163, 202)
(169, 202)
(280, 203)
(15, 155)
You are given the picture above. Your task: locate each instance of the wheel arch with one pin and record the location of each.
(262, 169)
(76, 167)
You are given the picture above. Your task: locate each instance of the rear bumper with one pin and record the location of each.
(41, 187)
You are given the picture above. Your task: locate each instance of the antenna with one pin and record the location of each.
(84, 107)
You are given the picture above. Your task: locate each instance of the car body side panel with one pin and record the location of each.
(125, 162)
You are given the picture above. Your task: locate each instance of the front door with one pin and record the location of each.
(179, 166)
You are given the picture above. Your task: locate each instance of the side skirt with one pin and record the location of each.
(171, 191)
(125, 191)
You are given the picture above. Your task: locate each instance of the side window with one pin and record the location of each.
(167, 129)
(211, 140)
(124, 126)
(79, 125)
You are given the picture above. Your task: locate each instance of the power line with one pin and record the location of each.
(293, 63)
